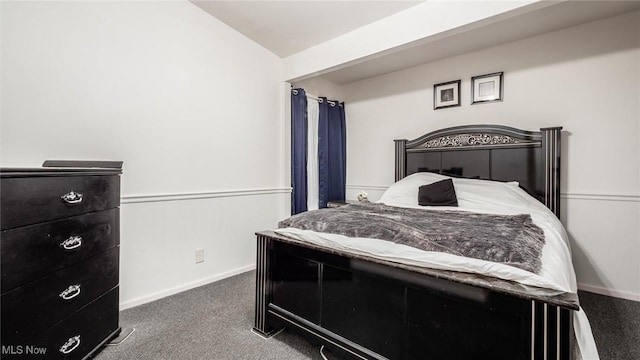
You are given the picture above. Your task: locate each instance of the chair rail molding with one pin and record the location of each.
(145, 198)
(601, 197)
(564, 195)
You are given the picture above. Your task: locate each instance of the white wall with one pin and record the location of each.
(321, 87)
(584, 78)
(164, 87)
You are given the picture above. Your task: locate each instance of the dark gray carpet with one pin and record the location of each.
(615, 324)
(213, 322)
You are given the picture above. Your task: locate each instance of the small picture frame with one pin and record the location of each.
(446, 95)
(486, 88)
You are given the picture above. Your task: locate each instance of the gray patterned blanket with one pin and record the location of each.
(509, 239)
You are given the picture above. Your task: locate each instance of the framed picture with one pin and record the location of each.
(486, 88)
(446, 95)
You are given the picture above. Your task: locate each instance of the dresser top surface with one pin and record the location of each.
(56, 171)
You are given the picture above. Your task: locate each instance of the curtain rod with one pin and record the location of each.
(332, 103)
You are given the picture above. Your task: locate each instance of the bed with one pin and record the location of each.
(366, 303)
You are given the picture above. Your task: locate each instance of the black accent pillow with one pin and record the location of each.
(440, 193)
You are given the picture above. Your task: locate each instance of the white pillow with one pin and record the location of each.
(471, 193)
(405, 191)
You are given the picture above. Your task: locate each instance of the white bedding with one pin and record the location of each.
(483, 197)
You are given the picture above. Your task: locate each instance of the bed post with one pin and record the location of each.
(263, 286)
(551, 332)
(401, 159)
(551, 149)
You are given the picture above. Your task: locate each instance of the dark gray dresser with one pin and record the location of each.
(60, 237)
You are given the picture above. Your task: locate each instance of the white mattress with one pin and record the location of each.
(484, 197)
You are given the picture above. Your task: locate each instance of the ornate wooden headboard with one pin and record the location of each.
(491, 152)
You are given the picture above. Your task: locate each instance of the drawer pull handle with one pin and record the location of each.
(72, 197)
(70, 345)
(72, 242)
(70, 292)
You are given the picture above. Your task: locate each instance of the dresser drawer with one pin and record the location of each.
(32, 200)
(30, 252)
(32, 308)
(74, 337)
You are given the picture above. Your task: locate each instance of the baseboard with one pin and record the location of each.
(184, 287)
(609, 292)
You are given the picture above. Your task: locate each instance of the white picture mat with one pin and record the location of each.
(482, 87)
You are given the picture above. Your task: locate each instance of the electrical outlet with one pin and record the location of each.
(199, 255)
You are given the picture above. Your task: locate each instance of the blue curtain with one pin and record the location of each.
(298, 151)
(332, 146)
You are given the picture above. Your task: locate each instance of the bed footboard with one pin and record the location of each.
(364, 309)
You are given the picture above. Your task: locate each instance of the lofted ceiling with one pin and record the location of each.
(288, 27)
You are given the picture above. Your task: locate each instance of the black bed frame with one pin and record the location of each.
(365, 308)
